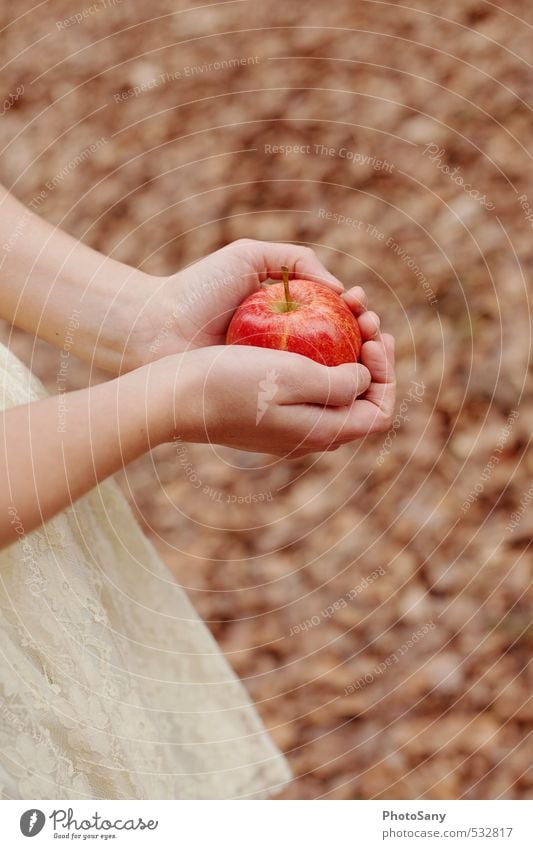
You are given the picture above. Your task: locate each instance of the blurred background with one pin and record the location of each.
(376, 602)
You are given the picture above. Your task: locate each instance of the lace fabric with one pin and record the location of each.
(111, 687)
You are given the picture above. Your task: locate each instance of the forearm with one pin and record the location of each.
(52, 285)
(57, 449)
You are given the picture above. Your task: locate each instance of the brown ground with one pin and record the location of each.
(450, 715)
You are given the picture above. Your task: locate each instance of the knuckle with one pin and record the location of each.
(355, 380)
(295, 381)
(308, 375)
(240, 243)
(307, 251)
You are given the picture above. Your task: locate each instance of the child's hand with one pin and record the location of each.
(208, 292)
(192, 309)
(276, 402)
(119, 318)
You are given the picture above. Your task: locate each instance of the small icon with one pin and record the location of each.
(267, 389)
(32, 822)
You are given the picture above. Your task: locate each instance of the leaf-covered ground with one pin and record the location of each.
(376, 601)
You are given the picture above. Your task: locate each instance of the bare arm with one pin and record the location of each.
(46, 275)
(206, 395)
(55, 450)
(127, 318)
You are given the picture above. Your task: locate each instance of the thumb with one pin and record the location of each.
(302, 262)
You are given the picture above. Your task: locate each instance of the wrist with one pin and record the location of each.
(163, 394)
(148, 311)
(114, 314)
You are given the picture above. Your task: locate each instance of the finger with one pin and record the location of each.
(365, 417)
(307, 382)
(328, 428)
(357, 300)
(372, 412)
(305, 428)
(369, 324)
(390, 345)
(383, 396)
(378, 357)
(302, 263)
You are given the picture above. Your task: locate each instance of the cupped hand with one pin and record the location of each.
(193, 308)
(277, 402)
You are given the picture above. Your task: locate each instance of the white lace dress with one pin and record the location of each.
(110, 685)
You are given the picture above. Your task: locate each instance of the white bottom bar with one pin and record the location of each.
(264, 825)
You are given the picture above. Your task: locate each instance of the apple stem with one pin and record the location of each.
(285, 270)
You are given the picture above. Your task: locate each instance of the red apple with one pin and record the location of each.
(306, 318)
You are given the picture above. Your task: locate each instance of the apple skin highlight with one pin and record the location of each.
(308, 319)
